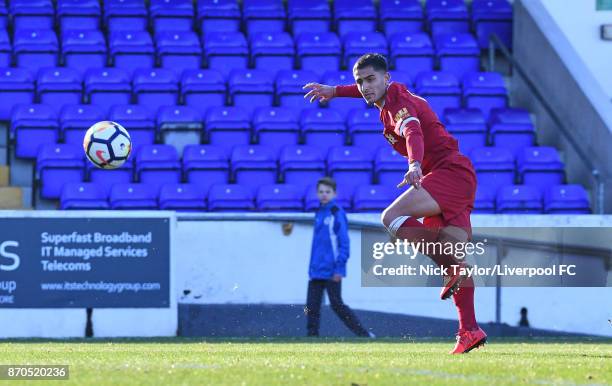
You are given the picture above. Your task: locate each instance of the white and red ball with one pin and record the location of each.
(107, 144)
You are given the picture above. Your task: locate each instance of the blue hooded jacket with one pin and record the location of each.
(330, 242)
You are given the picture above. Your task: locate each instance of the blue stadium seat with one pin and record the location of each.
(75, 119)
(323, 128)
(17, 87)
(182, 197)
(308, 16)
(106, 179)
(356, 43)
(519, 199)
(5, 49)
(254, 165)
(280, 198)
(131, 50)
(272, 51)
(311, 201)
(373, 198)
(263, 15)
(401, 77)
(106, 87)
(179, 51)
(58, 87)
(35, 49)
(342, 105)
(494, 166)
(447, 16)
(365, 129)
(468, 126)
(228, 126)
(155, 88)
(133, 197)
(350, 166)
(3, 16)
(540, 167)
(140, 122)
(484, 90)
(289, 89)
(83, 50)
(33, 126)
(512, 129)
(83, 196)
(566, 199)
(172, 15)
(205, 165)
(158, 165)
(180, 126)
(219, 15)
(492, 17)
(412, 53)
(401, 16)
(250, 89)
(457, 53)
(319, 52)
(230, 198)
(441, 89)
(78, 14)
(354, 15)
(32, 14)
(202, 89)
(57, 164)
(301, 165)
(125, 15)
(226, 51)
(276, 127)
(484, 203)
(389, 166)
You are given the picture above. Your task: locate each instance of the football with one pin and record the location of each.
(107, 144)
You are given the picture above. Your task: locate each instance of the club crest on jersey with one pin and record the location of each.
(392, 140)
(403, 113)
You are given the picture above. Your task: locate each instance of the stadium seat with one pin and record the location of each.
(171, 15)
(401, 16)
(35, 49)
(5, 49)
(566, 199)
(178, 51)
(106, 87)
(540, 167)
(140, 122)
(290, 91)
(230, 198)
(412, 53)
(37, 14)
(75, 119)
(83, 196)
(33, 126)
(3, 16)
(155, 88)
(106, 179)
(272, 51)
(201, 89)
(389, 166)
(130, 50)
(512, 129)
(319, 52)
(280, 198)
(468, 126)
(356, 43)
(125, 15)
(276, 127)
(402, 77)
(182, 197)
(484, 90)
(312, 203)
(301, 165)
(323, 128)
(308, 16)
(219, 15)
(17, 87)
(83, 50)
(365, 129)
(228, 126)
(78, 14)
(180, 126)
(494, 167)
(158, 165)
(57, 164)
(263, 15)
(350, 166)
(254, 165)
(484, 203)
(226, 51)
(205, 165)
(373, 198)
(133, 197)
(250, 89)
(441, 89)
(492, 17)
(342, 105)
(457, 53)
(517, 199)
(354, 15)
(58, 87)
(447, 16)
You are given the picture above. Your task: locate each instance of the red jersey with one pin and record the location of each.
(411, 126)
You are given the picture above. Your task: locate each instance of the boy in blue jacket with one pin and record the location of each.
(330, 251)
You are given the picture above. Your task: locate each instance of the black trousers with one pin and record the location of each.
(313, 307)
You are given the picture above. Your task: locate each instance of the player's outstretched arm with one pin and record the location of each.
(319, 91)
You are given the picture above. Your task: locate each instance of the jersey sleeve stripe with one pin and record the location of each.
(404, 123)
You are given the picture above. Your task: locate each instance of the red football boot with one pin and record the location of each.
(452, 282)
(469, 340)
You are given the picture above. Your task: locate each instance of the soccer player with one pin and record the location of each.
(443, 181)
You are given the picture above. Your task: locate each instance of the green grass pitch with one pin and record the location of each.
(183, 361)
